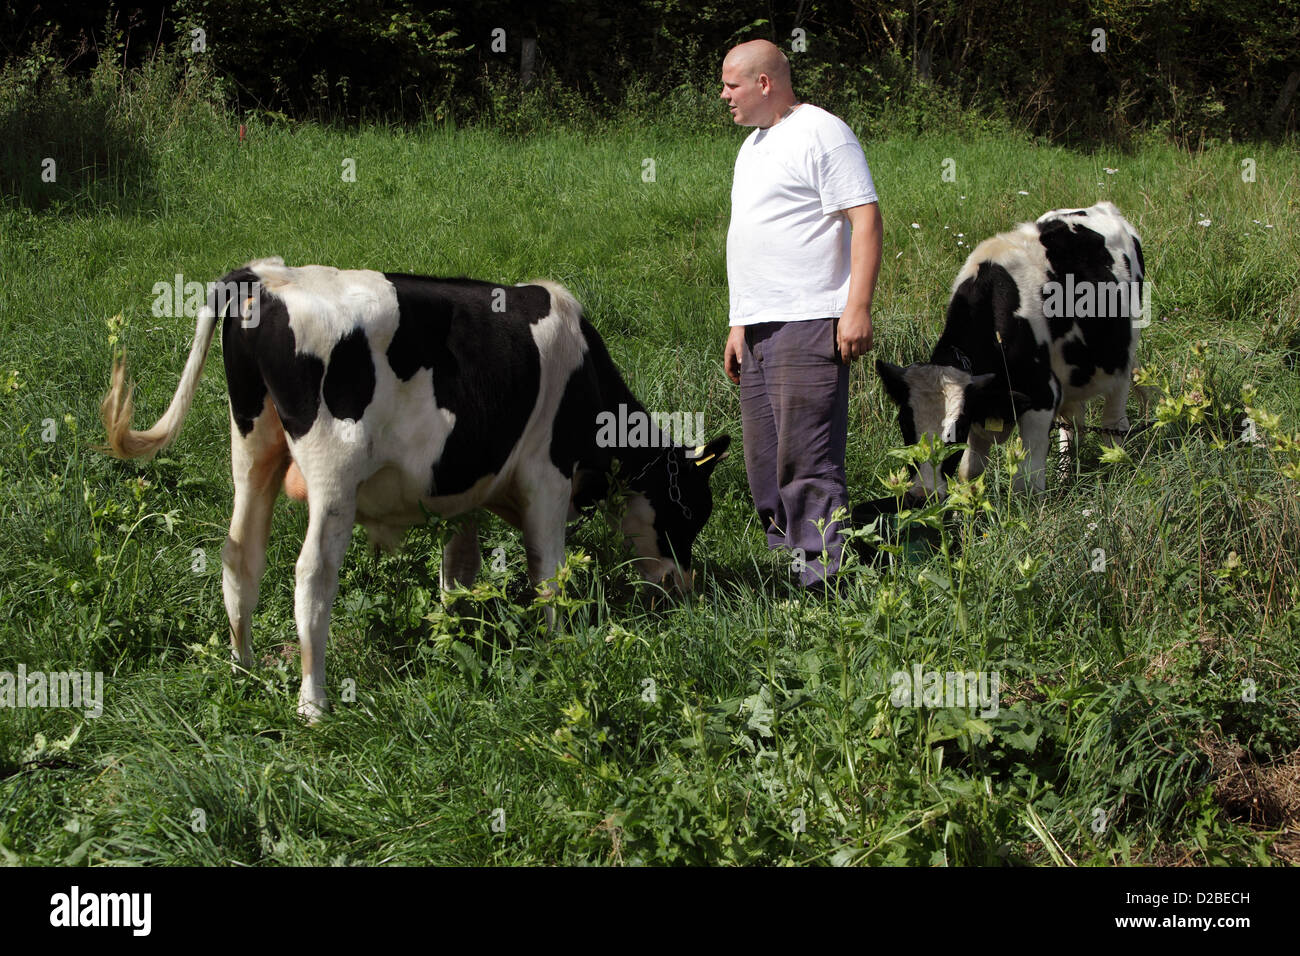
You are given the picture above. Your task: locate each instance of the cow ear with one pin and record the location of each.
(708, 456)
(989, 398)
(895, 382)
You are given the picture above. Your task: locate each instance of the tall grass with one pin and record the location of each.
(749, 724)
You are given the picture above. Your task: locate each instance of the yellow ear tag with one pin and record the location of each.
(703, 460)
(993, 424)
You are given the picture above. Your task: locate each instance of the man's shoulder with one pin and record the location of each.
(814, 113)
(829, 130)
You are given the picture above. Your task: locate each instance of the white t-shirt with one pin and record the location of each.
(787, 247)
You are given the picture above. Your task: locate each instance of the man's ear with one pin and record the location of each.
(895, 379)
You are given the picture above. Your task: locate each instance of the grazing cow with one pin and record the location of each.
(394, 394)
(1042, 319)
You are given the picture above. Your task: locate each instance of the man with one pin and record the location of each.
(803, 253)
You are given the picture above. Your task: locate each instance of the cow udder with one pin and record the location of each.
(295, 486)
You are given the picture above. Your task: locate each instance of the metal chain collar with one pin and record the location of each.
(674, 490)
(1121, 432)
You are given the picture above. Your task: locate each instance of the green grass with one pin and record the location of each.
(767, 708)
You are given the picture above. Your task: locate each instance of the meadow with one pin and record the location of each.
(1148, 703)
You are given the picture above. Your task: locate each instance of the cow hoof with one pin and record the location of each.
(313, 710)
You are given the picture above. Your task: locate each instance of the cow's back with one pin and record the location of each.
(478, 341)
(1016, 303)
(435, 387)
(1093, 296)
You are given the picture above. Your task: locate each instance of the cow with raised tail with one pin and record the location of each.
(1041, 319)
(391, 396)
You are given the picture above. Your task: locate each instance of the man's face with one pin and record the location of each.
(744, 95)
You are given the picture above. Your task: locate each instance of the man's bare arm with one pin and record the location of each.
(855, 334)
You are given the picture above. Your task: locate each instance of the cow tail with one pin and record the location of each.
(562, 300)
(118, 407)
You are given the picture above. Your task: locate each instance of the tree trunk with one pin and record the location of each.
(1284, 101)
(527, 60)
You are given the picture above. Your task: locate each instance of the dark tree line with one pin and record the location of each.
(1065, 69)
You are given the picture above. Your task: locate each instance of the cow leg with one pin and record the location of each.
(460, 557)
(543, 520)
(1114, 413)
(1036, 432)
(258, 461)
(1071, 415)
(976, 456)
(329, 529)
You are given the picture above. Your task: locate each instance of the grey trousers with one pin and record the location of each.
(794, 403)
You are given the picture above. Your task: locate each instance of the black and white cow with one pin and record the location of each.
(1041, 319)
(392, 393)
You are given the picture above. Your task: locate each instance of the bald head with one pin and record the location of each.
(758, 57)
(756, 84)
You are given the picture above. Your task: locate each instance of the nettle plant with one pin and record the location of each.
(913, 529)
(577, 589)
(1240, 466)
(1263, 427)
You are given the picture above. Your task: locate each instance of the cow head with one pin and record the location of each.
(943, 402)
(669, 503)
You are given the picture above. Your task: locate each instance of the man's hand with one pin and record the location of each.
(854, 333)
(731, 354)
